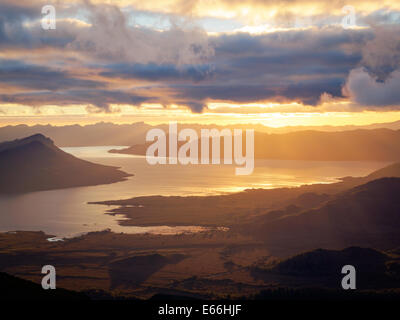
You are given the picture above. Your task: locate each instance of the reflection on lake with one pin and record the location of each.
(66, 212)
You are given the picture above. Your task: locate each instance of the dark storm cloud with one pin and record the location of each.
(297, 65)
(322, 39)
(28, 76)
(99, 98)
(307, 92)
(159, 72)
(287, 66)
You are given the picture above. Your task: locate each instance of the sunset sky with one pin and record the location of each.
(276, 63)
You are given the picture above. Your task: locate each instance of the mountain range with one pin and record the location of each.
(367, 215)
(106, 133)
(321, 267)
(353, 145)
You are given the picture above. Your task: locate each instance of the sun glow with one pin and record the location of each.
(217, 113)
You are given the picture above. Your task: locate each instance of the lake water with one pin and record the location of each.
(65, 212)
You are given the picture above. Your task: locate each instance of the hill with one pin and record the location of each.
(35, 163)
(13, 288)
(321, 262)
(322, 268)
(353, 145)
(367, 215)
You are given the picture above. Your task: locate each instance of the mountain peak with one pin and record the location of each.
(37, 137)
(24, 141)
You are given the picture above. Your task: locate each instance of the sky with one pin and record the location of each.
(278, 63)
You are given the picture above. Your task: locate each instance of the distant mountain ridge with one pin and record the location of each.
(354, 145)
(106, 133)
(35, 163)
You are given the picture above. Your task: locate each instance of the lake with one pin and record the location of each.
(66, 212)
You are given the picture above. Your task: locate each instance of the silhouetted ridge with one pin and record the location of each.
(323, 262)
(367, 215)
(13, 288)
(392, 170)
(387, 187)
(323, 268)
(21, 142)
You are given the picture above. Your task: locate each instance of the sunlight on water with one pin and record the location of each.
(66, 212)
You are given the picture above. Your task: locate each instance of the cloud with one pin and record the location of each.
(305, 92)
(375, 83)
(98, 98)
(365, 90)
(159, 72)
(284, 66)
(111, 59)
(20, 27)
(258, 11)
(20, 74)
(111, 38)
(381, 55)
